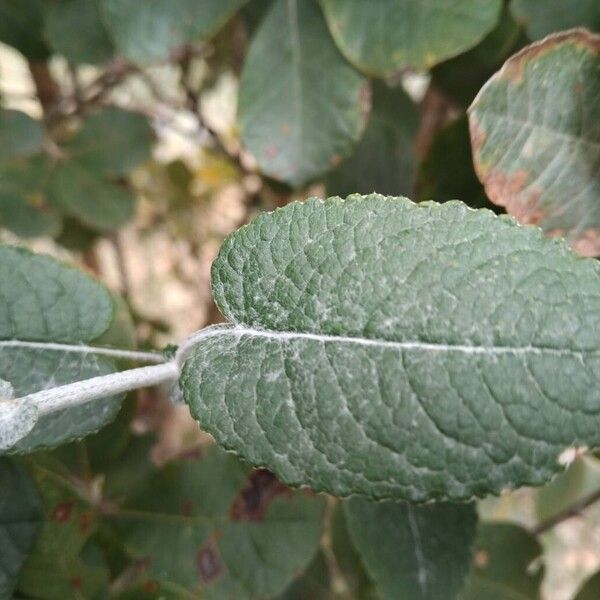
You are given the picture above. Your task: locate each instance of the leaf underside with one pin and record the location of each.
(394, 350)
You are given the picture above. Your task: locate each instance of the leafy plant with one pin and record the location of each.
(382, 380)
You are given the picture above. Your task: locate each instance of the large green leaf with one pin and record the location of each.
(541, 17)
(504, 565)
(301, 106)
(45, 301)
(535, 129)
(416, 552)
(395, 350)
(57, 565)
(21, 26)
(381, 37)
(74, 28)
(209, 525)
(146, 32)
(20, 135)
(20, 515)
(384, 160)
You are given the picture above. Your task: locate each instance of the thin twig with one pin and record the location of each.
(574, 510)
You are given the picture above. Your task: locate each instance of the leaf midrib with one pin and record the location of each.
(242, 330)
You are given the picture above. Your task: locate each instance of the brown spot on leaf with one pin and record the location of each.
(75, 583)
(253, 501)
(481, 559)
(335, 160)
(186, 508)
(151, 586)
(285, 129)
(62, 512)
(514, 193)
(209, 563)
(85, 522)
(513, 68)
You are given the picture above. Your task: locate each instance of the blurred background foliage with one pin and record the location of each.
(134, 136)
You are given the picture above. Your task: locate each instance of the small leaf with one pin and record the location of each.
(112, 142)
(20, 135)
(505, 564)
(24, 206)
(590, 589)
(417, 552)
(295, 126)
(56, 568)
(385, 36)
(535, 130)
(147, 32)
(542, 17)
(84, 194)
(219, 531)
(20, 515)
(393, 350)
(384, 160)
(74, 28)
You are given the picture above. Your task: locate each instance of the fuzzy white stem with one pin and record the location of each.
(95, 388)
(150, 357)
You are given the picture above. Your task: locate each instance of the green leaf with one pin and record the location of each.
(347, 559)
(447, 172)
(74, 28)
(463, 76)
(24, 205)
(147, 32)
(301, 106)
(21, 27)
(56, 568)
(541, 17)
(314, 584)
(385, 36)
(400, 351)
(384, 160)
(20, 515)
(417, 552)
(45, 301)
(20, 135)
(580, 479)
(84, 194)
(535, 129)
(112, 142)
(208, 525)
(590, 589)
(506, 564)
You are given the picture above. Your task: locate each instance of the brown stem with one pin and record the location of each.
(574, 510)
(46, 88)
